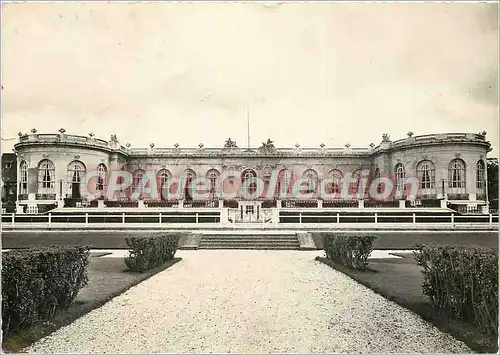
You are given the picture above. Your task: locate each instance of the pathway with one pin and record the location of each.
(249, 302)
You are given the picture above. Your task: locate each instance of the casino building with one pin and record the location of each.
(450, 167)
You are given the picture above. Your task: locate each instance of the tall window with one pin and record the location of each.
(76, 170)
(164, 176)
(335, 186)
(456, 173)
(312, 175)
(283, 181)
(252, 186)
(354, 186)
(376, 176)
(46, 176)
(213, 176)
(426, 174)
(23, 169)
(480, 180)
(101, 177)
(190, 175)
(138, 182)
(400, 177)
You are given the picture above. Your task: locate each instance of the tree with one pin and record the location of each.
(492, 179)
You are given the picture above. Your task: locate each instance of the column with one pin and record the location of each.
(224, 216)
(275, 217)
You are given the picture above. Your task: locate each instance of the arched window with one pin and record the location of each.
(163, 178)
(76, 171)
(456, 174)
(480, 177)
(426, 174)
(249, 174)
(311, 175)
(23, 170)
(46, 177)
(399, 170)
(138, 182)
(101, 177)
(189, 175)
(336, 185)
(213, 176)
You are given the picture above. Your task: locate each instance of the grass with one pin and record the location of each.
(408, 239)
(108, 277)
(400, 280)
(96, 239)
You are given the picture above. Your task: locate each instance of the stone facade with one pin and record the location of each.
(46, 163)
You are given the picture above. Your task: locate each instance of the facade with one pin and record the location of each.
(450, 167)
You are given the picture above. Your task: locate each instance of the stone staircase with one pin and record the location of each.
(259, 241)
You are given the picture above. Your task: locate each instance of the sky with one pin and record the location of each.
(309, 73)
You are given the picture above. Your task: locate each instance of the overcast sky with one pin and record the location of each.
(310, 73)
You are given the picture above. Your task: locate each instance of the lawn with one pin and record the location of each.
(400, 280)
(108, 277)
(408, 239)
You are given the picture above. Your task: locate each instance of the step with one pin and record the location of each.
(251, 247)
(248, 245)
(251, 240)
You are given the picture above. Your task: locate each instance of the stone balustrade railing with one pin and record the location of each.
(432, 138)
(202, 151)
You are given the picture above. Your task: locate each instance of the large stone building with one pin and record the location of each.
(450, 167)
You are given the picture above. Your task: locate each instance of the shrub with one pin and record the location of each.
(148, 252)
(37, 283)
(462, 281)
(350, 250)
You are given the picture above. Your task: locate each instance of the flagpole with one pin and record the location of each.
(248, 127)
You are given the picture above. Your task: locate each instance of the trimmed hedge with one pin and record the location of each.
(462, 281)
(149, 252)
(39, 282)
(350, 250)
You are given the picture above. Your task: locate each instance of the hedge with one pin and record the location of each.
(350, 250)
(39, 282)
(462, 281)
(148, 252)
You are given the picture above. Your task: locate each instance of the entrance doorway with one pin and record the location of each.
(250, 211)
(75, 190)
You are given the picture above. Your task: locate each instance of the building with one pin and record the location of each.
(450, 168)
(9, 182)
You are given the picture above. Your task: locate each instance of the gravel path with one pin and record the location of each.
(249, 302)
